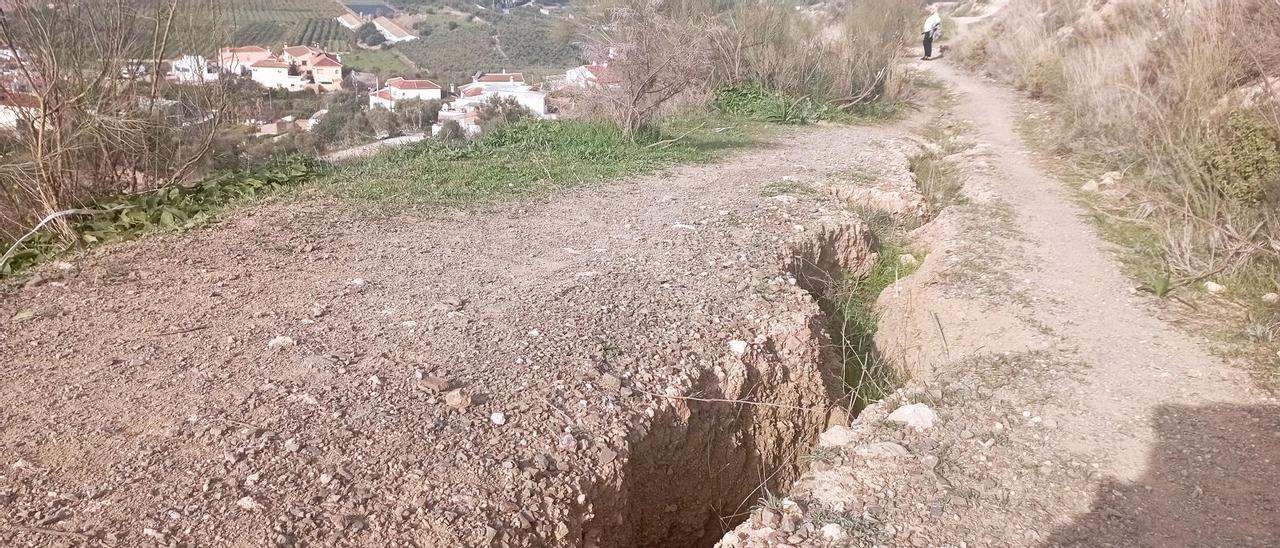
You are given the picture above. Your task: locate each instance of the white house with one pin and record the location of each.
(351, 21)
(274, 73)
(487, 85)
(399, 89)
(393, 32)
(238, 60)
(587, 76)
(193, 69)
(17, 106)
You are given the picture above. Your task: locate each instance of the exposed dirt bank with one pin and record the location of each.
(520, 375)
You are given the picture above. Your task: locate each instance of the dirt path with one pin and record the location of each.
(1068, 413)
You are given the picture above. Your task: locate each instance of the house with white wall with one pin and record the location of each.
(486, 85)
(193, 69)
(351, 21)
(238, 60)
(274, 73)
(323, 68)
(587, 76)
(394, 33)
(17, 106)
(399, 89)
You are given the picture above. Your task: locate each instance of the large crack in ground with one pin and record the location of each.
(741, 430)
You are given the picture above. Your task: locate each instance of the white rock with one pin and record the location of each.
(374, 381)
(797, 228)
(498, 419)
(1090, 186)
(836, 436)
(790, 178)
(248, 503)
(1271, 298)
(682, 226)
(281, 342)
(908, 260)
(916, 415)
(1214, 287)
(738, 347)
(357, 282)
(833, 532)
(1110, 178)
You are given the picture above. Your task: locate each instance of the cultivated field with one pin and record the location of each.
(276, 22)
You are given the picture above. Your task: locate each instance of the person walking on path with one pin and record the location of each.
(932, 31)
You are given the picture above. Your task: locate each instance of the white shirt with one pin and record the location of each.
(933, 21)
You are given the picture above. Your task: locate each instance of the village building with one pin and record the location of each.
(17, 106)
(193, 69)
(394, 33)
(399, 89)
(323, 68)
(238, 60)
(485, 86)
(351, 21)
(593, 75)
(274, 73)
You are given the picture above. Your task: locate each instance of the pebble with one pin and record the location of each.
(281, 342)
(498, 419)
(1271, 298)
(738, 347)
(1214, 287)
(248, 503)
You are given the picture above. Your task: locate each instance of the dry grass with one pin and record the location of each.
(1181, 96)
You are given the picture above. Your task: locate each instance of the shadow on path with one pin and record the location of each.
(1213, 479)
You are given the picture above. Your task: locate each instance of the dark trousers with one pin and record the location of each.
(928, 45)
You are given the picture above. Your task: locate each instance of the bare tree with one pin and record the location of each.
(98, 114)
(654, 58)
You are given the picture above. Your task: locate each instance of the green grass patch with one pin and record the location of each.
(529, 157)
(850, 308)
(379, 62)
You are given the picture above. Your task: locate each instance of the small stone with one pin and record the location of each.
(916, 415)
(374, 381)
(292, 445)
(837, 436)
(435, 385)
(908, 260)
(458, 400)
(607, 455)
(357, 282)
(1213, 287)
(281, 342)
(248, 503)
(929, 462)
(738, 347)
(1271, 298)
(498, 419)
(1090, 186)
(610, 383)
(567, 442)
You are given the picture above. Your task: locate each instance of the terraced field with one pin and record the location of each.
(277, 22)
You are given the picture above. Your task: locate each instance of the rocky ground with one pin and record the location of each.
(307, 373)
(1050, 405)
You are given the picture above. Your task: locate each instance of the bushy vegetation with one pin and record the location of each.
(454, 55)
(769, 106)
(1173, 98)
(772, 60)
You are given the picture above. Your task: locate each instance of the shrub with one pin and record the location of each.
(1243, 160)
(502, 111)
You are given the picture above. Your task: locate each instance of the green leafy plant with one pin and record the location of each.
(127, 216)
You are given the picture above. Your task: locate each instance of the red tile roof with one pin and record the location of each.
(602, 73)
(500, 77)
(21, 100)
(299, 51)
(383, 94)
(325, 61)
(270, 63)
(401, 83)
(248, 49)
